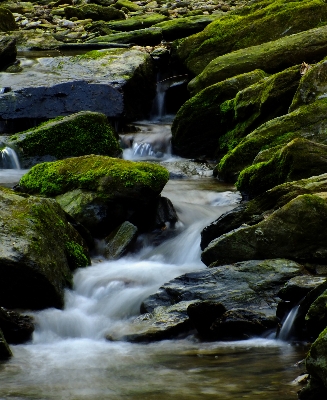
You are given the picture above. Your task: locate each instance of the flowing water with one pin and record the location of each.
(69, 357)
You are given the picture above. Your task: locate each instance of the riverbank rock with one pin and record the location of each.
(16, 328)
(253, 24)
(7, 20)
(132, 24)
(296, 231)
(141, 37)
(76, 135)
(258, 209)
(119, 83)
(307, 122)
(271, 57)
(118, 242)
(8, 51)
(94, 11)
(39, 251)
(197, 124)
(5, 351)
(231, 301)
(299, 159)
(100, 192)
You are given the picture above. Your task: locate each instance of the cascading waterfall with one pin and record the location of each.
(9, 159)
(286, 331)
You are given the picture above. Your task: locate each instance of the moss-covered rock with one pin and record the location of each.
(256, 210)
(95, 12)
(39, 251)
(8, 51)
(181, 27)
(313, 86)
(127, 4)
(5, 351)
(100, 192)
(30, 39)
(7, 20)
(199, 122)
(137, 22)
(316, 365)
(307, 122)
(257, 23)
(142, 37)
(297, 231)
(299, 159)
(316, 317)
(271, 57)
(79, 134)
(120, 240)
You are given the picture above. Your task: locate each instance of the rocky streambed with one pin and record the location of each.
(253, 116)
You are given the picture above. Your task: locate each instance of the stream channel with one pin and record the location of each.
(69, 357)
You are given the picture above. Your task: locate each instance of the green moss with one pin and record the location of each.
(137, 22)
(76, 255)
(79, 134)
(95, 173)
(251, 25)
(147, 36)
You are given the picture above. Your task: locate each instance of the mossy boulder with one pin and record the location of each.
(100, 192)
(308, 122)
(120, 240)
(30, 39)
(39, 251)
(136, 22)
(254, 24)
(299, 159)
(271, 57)
(181, 27)
(8, 51)
(297, 231)
(255, 211)
(5, 351)
(313, 86)
(316, 317)
(316, 365)
(127, 4)
(7, 20)
(95, 12)
(76, 135)
(198, 123)
(142, 37)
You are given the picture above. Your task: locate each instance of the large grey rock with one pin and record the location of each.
(118, 242)
(116, 82)
(243, 292)
(296, 231)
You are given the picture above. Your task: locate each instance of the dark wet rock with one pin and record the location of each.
(8, 51)
(94, 12)
(299, 159)
(7, 20)
(271, 57)
(296, 231)
(39, 251)
(5, 351)
(125, 89)
(120, 240)
(202, 114)
(76, 135)
(137, 22)
(316, 317)
(16, 328)
(314, 390)
(100, 192)
(296, 288)
(251, 286)
(141, 37)
(256, 23)
(307, 122)
(256, 210)
(165, 213)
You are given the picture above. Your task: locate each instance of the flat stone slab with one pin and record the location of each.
(102, 81)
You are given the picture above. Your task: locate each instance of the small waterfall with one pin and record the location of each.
(287, 327)
(9, 159)
(159, 108)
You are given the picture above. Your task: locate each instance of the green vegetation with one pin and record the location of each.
(95, 173)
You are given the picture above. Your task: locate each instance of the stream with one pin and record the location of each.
(69, 357)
